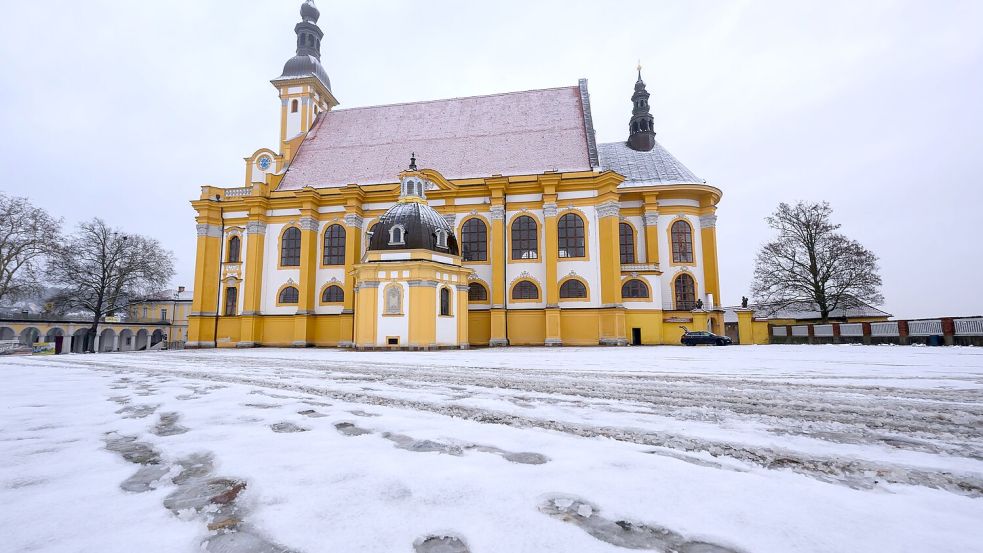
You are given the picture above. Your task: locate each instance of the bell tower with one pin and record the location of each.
(304, 87)
(641, 127)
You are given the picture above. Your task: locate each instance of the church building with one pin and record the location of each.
(480, 221)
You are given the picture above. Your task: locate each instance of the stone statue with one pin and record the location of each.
(743, 302)
(699, 303)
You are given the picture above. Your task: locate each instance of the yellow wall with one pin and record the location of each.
(479, 327)
(526, 327)
(579, 327)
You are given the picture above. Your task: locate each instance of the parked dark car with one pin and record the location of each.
(703, 337)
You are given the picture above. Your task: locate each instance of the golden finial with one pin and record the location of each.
(639, 66)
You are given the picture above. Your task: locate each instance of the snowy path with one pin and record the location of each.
(667, 449)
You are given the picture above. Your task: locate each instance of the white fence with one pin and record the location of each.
(825, 331)
(925, 328)
(969, 327)
(7, 346)
(800, 330)
(779, 331)
(852, 329)
(884, 329)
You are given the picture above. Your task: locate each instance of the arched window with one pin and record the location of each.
(685, 289)
(234, 246)
(573, 289)
(289, 296)
(231, 301)
(394, 300)
(474, 240)
(682, 242)
(294, 105)
(570, 235)
(477, 292)
(525, 290)
(396, 235)
(445, 302)
(626, 238)
(634, 289)
(290, 248)
(334, 245)
(333, 294)
(525, 238)
(441, 238)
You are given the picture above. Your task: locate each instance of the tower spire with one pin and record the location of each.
(641, 127)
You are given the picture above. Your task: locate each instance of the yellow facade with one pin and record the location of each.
(281, 304)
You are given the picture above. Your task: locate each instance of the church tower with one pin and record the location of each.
(305, 90)
(641, 128)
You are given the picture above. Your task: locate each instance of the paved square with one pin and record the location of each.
(741, 449)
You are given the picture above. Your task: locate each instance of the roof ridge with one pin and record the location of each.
(419, 102)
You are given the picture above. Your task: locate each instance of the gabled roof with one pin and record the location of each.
(657, 166)
(517, 133)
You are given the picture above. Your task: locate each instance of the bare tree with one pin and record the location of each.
(99, 268)
(26, 234)
(812, 266)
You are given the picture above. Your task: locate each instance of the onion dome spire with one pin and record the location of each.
(309, 12)
(307, 62)
(641, 127)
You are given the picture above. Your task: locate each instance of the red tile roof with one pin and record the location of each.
(517, 133)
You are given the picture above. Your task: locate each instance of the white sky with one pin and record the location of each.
(123, 109)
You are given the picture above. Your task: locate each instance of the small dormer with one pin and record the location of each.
(397, 235)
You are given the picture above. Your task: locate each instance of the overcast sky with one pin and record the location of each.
(122, 109)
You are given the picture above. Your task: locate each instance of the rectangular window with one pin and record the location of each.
(163, 314)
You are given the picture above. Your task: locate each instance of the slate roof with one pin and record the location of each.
(657, 166)
(857, 311)
(517, 133)
(420, 223)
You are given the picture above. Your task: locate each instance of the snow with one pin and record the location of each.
(742, 449)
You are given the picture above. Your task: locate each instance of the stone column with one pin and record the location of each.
(251, 322)
(303, 321)
(498, 286)
(353, 250)
(463, 340)
(613, 312)
(651, 218)
(552, 258)
(204, 305)
(708, 239)
(366, 313)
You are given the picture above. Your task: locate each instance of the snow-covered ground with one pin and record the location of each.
(697, 450)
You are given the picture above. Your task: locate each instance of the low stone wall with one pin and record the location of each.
(943, 331)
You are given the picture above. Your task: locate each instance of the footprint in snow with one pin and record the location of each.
(285, 427)
(311, 413)
(364, 414)
(243, 540)
(421, 446)
(623, 533)
(521, 457)
(349, 429)
(168, 425)
(440, 544)
(137, 411)
(261, 405)
(131, 450)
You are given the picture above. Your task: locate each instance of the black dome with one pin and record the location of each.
(305, 66)
(420, 223)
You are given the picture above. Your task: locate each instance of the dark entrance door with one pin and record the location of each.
(636, 336)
